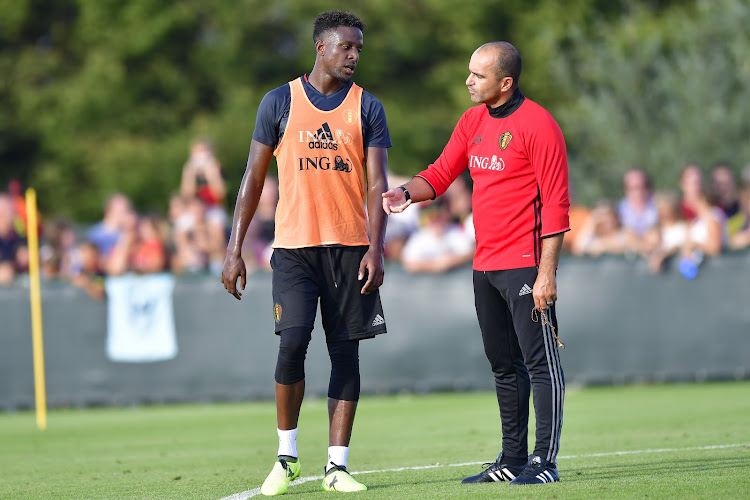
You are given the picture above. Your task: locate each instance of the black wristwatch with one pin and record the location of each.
(406, 193)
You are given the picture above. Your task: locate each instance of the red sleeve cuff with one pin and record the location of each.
(433, 179)
(434, 192)
(555, 223)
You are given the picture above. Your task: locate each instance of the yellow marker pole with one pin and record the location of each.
(40, 390)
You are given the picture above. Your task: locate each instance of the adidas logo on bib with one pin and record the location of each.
(525, 290)
(378, 320)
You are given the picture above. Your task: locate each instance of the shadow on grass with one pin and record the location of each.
(450, 481)
(666, 467)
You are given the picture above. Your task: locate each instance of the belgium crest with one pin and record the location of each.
(277, 312)
(505, 140)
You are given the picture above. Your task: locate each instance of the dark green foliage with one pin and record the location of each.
(101, 96)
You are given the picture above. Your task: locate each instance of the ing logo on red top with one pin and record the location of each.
(486, 163)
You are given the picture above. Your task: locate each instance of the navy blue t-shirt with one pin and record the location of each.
(273, 114)
(9, 244)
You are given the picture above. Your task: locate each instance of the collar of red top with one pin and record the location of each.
(509, 106)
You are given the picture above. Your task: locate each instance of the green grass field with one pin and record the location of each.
(652, 441)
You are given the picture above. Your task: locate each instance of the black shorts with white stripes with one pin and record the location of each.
(301, 276)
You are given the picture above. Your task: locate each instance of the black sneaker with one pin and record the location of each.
(537, 471)
(496, 471)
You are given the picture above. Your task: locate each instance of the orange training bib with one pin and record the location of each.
(321, 174)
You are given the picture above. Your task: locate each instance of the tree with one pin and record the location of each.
(98, 96)
(656, 90)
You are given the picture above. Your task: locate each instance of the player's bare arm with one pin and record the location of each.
(395, 199)
(377, 184)
(545, 287)
(247, 202)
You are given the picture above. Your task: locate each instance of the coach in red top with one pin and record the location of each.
(516, 155)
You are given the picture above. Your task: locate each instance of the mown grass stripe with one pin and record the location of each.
(244, 495)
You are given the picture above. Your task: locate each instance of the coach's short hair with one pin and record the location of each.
(507, 62)
(332, 20)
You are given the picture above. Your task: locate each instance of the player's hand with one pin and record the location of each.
(234, 267)
(545, 291)
(372, 266)
(394, 201)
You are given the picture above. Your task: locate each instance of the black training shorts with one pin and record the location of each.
(302, 275)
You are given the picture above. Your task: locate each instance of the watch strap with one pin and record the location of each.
(406, 193)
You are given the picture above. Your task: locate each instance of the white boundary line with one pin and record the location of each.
(256, 491)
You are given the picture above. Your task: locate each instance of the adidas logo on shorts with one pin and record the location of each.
(525, 290)
(378, 320)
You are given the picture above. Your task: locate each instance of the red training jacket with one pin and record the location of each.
(520, 171)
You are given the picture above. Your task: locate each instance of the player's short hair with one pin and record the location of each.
(332, 20)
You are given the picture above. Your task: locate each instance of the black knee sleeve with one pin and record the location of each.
(344, 383)
(290, 365)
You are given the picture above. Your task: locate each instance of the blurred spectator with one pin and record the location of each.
(439, 244)
(687, 212)
(601, 233)
(741, 238)
(636, 210)
(141, 247)
(458, 198)
(189, 235)
(400, 225)
(149, 253)
(668, 238)
(87, 274)
(725, 195)
(12, 246)
(202, 178)
(706, 227)
(105, 234)
(18, 200)
(15, 191)
(468, 227)
(257, 245)
(577, 214)
(116, 261)
(58, 254)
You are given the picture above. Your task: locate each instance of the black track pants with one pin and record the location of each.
(523, 355)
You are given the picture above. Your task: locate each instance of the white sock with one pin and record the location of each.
(288, 442)
(337, 455)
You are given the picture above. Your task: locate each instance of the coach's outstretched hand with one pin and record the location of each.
(234, 267)
(394, 201)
